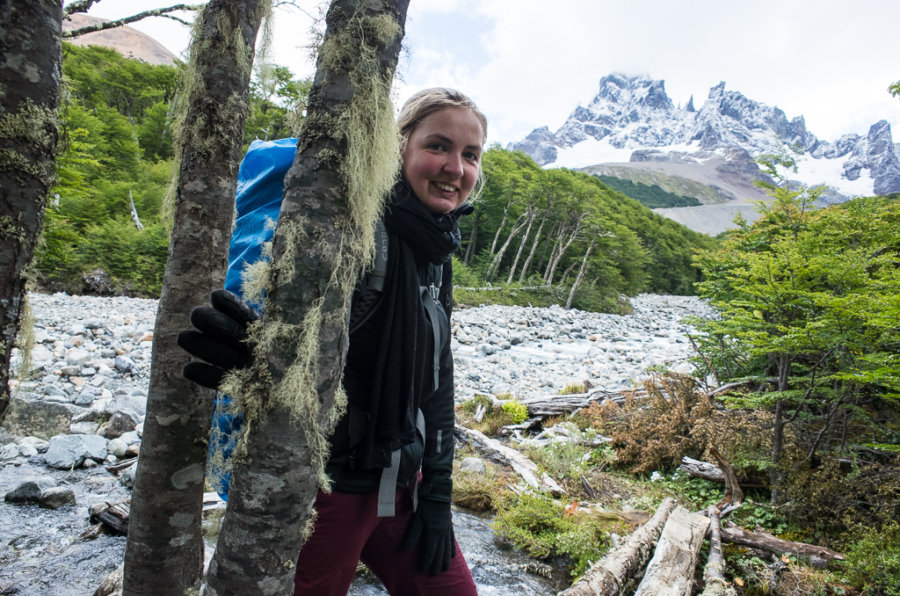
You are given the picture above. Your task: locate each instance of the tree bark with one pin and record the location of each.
(764, 541)
(671, 570)
(498, 257)
(714, 572)
(534, 245)
(580, 276)
(323, 239)
(30, 64)
(610, 575)
(164, 553)
(515, 263)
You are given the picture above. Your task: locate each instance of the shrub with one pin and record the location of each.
(543, 528)
(873, 559)
(515, 409)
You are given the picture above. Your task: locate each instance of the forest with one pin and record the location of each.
(806, 345)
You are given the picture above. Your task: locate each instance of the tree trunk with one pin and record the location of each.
(610, 575)
(30, 66)
(534, 245)
(580, 276)
(164, 553)
(324, 238)
(501, 226)
(473, 238)
(495, 263)
(671, 570)
(561, 248)
(515, 263)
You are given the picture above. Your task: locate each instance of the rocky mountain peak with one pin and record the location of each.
(635, 113)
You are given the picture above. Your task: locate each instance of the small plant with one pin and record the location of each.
(573, 388)
(544, 528)
(517, 410)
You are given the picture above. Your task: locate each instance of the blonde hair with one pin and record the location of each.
(435, 99)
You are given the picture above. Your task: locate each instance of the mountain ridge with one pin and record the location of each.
(633, 124)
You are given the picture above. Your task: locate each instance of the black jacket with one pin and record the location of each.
(434, 456)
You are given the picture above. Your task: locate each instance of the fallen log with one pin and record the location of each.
(767, 542)
(609, 575)
(701, 469)
(714, 571)
(563, 405)
(671, 570)
(499, 452)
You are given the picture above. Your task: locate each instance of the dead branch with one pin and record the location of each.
(609, 575)
(767, 542)
(734, 496)
(102, 26)
(714, 571)
(497, 451)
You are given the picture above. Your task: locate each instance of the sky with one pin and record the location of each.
(530, 63)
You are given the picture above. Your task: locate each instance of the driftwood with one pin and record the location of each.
(112, 517)
(671, 570)
(714, 572)
(767, 542)
(561, 405)
(734, 496)
(701, 469)
(609, 575)
(523, 466)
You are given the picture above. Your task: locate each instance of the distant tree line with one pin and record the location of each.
(650, 196)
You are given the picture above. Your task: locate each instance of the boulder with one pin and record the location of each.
(30, 490)
(38, 418)
(71, 451)
(56, 497)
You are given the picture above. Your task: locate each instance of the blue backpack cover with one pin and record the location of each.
(260, 188)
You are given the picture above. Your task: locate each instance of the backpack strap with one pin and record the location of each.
(387, 487)
(430, 299)
(370, 291)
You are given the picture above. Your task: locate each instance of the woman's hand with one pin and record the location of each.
(220, 338)
(431, 528)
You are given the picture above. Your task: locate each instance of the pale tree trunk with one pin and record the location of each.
(501, 226)
(164, 553)
(581, 270)
(30, 63)
(323, 239)
(473, 238)
(515, 263)
(534, 245)
(495, 263)
(565, 241)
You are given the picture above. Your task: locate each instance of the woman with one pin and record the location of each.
(392, 452)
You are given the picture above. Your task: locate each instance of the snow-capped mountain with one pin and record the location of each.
(633, 125)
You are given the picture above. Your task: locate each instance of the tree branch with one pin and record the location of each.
(157, 12)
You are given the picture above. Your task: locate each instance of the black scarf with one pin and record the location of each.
(403, 372)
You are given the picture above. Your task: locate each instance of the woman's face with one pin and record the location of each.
(442, 157)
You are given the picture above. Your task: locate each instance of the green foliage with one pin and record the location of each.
(563, 229)
(872, 560)
(515, 410)
(808, 300)
(117, 147)
(540, 526)
(652, 197)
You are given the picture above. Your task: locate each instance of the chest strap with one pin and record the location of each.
(387, 487)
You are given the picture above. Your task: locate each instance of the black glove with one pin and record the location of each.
(431, 527)
(219, 338)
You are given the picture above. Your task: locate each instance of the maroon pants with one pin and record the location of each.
(348, 530)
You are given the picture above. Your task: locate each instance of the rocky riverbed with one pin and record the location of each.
(81, 410)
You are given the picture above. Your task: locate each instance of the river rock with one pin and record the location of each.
(122, 421)
(30, 489)
(56, 497)
(39, 418)
(71, 451)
